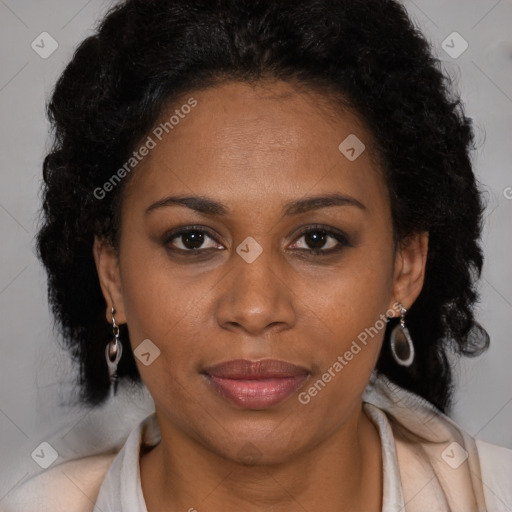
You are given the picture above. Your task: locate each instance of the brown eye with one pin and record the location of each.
(318, 241)
(191, 240)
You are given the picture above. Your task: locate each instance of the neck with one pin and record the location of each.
(338, 474)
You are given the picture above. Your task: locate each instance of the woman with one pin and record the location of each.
(266, 213)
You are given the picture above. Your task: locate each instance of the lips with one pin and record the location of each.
(255, 384)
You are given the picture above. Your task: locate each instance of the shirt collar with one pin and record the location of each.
(122, 484)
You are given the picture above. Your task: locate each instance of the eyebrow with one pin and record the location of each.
(209, 206)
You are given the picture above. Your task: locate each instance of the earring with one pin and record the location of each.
(113, 353)
(401, 343)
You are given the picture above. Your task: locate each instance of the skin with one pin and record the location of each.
(254, 149)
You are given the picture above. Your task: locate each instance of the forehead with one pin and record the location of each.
(269, 138)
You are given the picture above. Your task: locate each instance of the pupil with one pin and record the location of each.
(193, 239)
(315, 239)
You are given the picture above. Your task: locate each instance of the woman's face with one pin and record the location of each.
(266, 164)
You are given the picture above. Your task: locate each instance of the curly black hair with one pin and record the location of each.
(365, 53)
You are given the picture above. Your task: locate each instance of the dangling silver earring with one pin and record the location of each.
(401, 343)
(113, 353)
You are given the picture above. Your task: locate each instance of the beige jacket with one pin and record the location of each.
(441, 468)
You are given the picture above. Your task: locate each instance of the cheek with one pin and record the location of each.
(353, 308)
(358, 291)
(165, 305)
(149, 295)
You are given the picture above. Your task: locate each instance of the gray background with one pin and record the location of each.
(35, 374)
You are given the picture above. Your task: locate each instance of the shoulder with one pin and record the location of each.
(496, 470)
(72, 486)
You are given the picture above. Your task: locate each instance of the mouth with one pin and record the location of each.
(255, 384)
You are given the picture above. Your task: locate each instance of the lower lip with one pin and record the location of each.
(256, 394)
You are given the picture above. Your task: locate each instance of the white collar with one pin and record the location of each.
(121, 490)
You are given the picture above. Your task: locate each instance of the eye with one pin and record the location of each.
(315, 240)
(192, 239)
(319, 240)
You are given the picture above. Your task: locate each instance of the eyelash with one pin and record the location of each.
(340, 237)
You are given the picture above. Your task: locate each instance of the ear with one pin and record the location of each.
(409, 271)
(107, 267)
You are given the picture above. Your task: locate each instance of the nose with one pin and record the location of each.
(256, 296)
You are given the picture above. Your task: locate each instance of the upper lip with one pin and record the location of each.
(246, 369)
